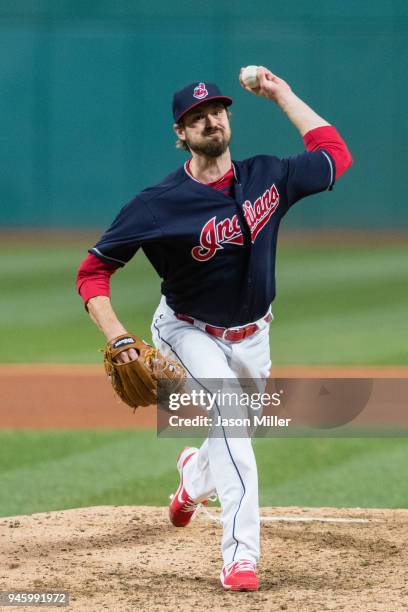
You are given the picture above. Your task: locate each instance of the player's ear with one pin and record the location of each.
(179, 130)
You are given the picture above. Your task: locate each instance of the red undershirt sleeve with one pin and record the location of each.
(328, 138)
(93, 278)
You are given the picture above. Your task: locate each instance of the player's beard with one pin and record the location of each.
(208, 146)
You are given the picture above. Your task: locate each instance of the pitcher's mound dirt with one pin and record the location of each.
(131, 558)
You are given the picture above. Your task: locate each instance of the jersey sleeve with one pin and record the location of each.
(308, 173)
(327, 138)
(93, 278)
(133, 227)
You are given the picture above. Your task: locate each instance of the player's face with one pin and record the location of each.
(206, 129)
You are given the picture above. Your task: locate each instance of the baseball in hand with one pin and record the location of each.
(249, 76)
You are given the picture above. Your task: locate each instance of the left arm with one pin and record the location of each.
(317, 133)
(276, 89)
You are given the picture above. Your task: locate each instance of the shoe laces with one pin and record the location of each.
(243, 565)
(188, 506)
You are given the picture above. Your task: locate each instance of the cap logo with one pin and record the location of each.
(200, 91)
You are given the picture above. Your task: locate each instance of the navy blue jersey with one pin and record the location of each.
(216, 254)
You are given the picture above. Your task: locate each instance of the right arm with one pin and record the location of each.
(93, 286)
(102, 314)
(132, 226)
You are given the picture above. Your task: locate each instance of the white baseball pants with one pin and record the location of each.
(224, 465)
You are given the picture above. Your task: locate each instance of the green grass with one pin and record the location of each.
(335, 305)
(343, 305)
(53, 470)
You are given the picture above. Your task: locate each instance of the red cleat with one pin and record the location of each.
(240, 576)
(182, 507)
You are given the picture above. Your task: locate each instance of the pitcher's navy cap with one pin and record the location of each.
(194, 94)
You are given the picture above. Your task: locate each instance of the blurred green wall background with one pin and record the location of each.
(87, 86)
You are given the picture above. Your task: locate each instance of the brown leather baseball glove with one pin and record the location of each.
(136, 382)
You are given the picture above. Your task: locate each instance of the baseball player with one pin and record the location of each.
(210, 230)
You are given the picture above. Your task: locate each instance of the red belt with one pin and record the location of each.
(233, 334)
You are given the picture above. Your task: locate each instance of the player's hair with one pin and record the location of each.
(181, 144)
